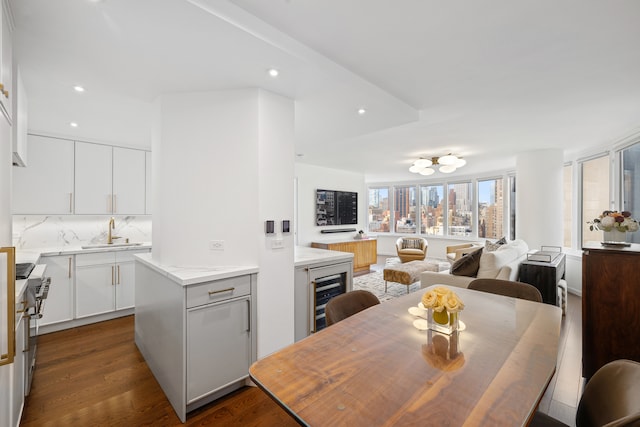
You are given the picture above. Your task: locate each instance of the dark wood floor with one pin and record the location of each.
(95, 375)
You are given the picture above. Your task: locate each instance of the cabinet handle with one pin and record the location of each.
(115, 204)
(69, 270)
(70, 202)
(112, 275)
(24, 306)
(221, 291)
(118, 282)
(248, 316)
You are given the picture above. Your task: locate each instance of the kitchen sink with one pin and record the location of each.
(112, 245)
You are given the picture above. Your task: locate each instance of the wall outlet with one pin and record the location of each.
(216, 245)
(277, 244)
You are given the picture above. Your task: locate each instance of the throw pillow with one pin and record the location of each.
(468, 264)
(492, 262)
(490, 247)
(411, 244)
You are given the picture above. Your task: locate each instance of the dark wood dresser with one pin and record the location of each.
(610, 305)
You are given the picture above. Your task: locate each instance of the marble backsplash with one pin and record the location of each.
(39, 231)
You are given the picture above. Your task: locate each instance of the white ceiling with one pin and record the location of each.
(483, 79)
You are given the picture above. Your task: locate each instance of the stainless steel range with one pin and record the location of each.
(36, 296)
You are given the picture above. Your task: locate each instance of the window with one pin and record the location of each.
(595, 194)
(379, 214)
(490, 208)
(512, 207)
(459, 209)
(631, 185)
(567, 217)
(431, 212)
(404, 209)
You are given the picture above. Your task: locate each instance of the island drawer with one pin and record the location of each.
(218, 290)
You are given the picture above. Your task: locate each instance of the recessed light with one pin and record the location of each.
(78, 88)
(73, 124)
(273, 72)
(362, 111)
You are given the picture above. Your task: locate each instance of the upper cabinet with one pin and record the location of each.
(128, 181)
(6, 56)
(93, 179)
(67, 177)
(109, 180)
(46, 186)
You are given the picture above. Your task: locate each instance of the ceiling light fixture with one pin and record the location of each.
(273, 72)
(362, 111)
(78, 88)
(73, 124)
(447, 164)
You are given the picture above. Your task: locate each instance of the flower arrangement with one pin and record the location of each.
(442, 301)
(614, 220)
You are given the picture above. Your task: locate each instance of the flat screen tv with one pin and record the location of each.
(336, 207)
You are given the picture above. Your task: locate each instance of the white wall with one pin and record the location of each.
(539, 185)
(223, 164)
(276, 155)
(310, 178)
(205, 175)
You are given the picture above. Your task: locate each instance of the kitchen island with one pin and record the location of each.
(196, 328)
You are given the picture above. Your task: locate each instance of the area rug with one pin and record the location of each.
(374, 283)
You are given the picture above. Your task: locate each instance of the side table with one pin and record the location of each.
(545, 276)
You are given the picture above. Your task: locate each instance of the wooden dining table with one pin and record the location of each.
(376, 368)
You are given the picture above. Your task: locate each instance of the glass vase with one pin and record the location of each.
(615, 236)
(443, 322)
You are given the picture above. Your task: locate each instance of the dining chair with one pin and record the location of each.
(507, 288)
(344, 305)
(610, 398)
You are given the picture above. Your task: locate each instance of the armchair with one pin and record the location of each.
(411, 248)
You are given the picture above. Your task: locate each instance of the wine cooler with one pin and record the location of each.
(316, 284)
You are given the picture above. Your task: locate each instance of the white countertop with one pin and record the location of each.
(34, 254)
(191, 275)
(305, 255)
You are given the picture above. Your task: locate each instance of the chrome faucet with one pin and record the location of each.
(112, 226)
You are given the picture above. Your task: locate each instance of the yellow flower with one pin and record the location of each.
(429, 299)
(453, 303)
(442, 298)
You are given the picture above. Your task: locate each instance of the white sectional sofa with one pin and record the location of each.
(503, 263)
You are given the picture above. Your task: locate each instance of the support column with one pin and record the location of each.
(539, 197)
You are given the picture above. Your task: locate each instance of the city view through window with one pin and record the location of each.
(413, 208)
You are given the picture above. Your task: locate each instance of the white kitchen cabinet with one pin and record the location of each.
(19, 366)
(46, 186)
(93, 168)
(147, 198)
(105, 282)
(109, 180)
(128, 181)
(59, 306)
(208, 327)
(198, 339)
(6, 68)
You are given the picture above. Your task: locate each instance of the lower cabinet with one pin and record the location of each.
(217, 332)
(19, 362)
(59, 306)
(198, 339)
(105, 282)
